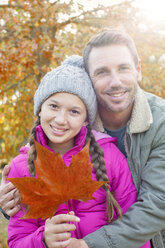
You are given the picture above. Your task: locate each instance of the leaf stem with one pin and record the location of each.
(67, 205)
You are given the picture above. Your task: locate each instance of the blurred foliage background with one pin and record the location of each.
(36, 35)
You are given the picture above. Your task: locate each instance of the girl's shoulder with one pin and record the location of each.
(99, 136)
(19, 165)
(115, 162)
(109, 146)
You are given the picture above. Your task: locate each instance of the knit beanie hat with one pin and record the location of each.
(70, 77)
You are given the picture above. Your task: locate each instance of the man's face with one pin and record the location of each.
(115, 77)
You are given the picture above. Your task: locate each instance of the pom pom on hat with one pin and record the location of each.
(74, 60)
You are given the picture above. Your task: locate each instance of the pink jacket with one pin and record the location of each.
(28, 233)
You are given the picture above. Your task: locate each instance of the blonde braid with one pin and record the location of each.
(32, 150)
(97, 155)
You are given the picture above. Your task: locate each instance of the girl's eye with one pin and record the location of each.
(54, 106)
(74, 111)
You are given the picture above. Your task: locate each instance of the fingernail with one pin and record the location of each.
(77, 219)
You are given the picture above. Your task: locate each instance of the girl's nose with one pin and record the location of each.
(60, 117)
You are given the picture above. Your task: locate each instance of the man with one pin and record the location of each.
(138, 120)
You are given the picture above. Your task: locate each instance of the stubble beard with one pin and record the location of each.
(114, 107)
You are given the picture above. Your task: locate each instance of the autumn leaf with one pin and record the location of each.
(56, 183)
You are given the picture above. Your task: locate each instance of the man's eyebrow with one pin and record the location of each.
(125, 64)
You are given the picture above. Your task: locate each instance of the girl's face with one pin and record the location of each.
(62, 115)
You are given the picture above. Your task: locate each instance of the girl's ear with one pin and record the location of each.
(85, 123)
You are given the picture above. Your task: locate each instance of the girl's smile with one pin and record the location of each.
(58, 131)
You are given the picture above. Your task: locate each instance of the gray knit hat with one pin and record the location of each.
(69, 77)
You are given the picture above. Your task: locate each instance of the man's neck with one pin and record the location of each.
(114, 120)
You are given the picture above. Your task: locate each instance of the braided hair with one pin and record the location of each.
(97, 155)
(32, 154)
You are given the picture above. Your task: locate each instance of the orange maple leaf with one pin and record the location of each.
(56, 183)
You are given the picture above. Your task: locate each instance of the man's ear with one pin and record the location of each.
(139, 74)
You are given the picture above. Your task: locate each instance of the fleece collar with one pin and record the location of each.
(141, 117)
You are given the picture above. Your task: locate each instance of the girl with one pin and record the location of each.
(65, 106)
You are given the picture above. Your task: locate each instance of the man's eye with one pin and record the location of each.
(100, 72)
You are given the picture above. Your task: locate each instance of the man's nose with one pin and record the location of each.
(114, 79)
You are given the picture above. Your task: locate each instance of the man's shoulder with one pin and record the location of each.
(155, 101)
(157, 106)
(148, 112)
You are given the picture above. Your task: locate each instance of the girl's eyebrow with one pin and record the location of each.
(76, 107)
(54, 101)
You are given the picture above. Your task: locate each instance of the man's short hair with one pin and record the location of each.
(110, 37)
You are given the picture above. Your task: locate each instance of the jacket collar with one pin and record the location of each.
(141, 117)
(43, 140)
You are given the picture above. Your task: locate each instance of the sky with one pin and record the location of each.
(153, 9)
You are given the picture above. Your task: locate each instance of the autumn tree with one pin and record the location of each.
(36, 35)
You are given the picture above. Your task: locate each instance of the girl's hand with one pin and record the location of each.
(57, 230)
(77, 243)
(9, 196)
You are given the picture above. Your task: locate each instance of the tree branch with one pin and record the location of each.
(74, 18)
(17, 84)
(11, 6)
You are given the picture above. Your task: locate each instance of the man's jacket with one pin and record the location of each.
(145, 146)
